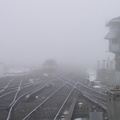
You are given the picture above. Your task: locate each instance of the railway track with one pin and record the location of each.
(12, 86)
(48, 97)
(97, 97)
(4, 81)
(12, 93)
(21, 100)
(5, 102)
(23, 107)
(53, 105)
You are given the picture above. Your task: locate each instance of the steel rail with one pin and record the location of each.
(55, 118)
(16, 93)
(71, 110)
(44, 101)
(100, 103)
(34, 90)
(7, 93)
(97, 101)
(92, 89)
(93, 95)
(6, 86)
(23, 87)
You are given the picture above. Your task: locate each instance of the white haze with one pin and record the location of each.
(69, 31)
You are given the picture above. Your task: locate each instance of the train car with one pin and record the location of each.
(50, 66)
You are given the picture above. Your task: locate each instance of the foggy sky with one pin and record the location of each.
(70, 31)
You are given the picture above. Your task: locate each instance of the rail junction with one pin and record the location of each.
(54, 96)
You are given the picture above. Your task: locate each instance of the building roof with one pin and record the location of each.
(114, 20)
(111, 35)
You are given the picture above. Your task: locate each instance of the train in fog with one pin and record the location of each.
(50, 65)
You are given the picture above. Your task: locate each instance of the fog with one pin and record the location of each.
(69, 31)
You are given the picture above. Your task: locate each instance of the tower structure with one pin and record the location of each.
(114, 44)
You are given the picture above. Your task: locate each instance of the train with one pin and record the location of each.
(50, 66)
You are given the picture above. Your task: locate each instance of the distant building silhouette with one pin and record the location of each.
(114, 44)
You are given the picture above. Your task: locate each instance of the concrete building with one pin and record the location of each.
(114, 44)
